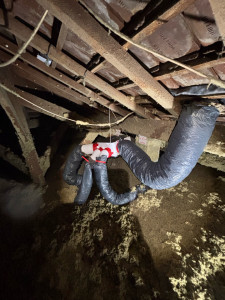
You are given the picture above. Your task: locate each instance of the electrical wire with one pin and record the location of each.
(77, 122)
(25, 45)
(212, 80)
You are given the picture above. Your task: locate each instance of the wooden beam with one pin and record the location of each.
(170, 74)
(218, 8)
(20, 43)
(126, 86)
(16, 115)
(88, 29)
(61, 40)
(176, 9)
(31, 60)
(52, 148)
(94, 80)
(65, 61)
(200, 66)
(89, 138)
(162, 129)
(23, 33)
(55, 109)
(29, 73)
(8, 4)
(46, 105)
(13, 159)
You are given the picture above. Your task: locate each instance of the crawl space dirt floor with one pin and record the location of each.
(165, 245)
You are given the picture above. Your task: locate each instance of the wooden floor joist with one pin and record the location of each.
(71, 65)
(53, 146)
(7, 155)
(94, 80)
(55, 109)
(8, 46)
(61, 40)
(27, 72)
(171, 74)
(176, 9)
(46, 105)
(218, 8)
(16, 115)
(73, 15)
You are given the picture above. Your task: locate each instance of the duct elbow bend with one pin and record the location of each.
(71, 176)
(186, 144)
(101, 177)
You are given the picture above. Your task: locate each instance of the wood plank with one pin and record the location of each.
(29, 73)
(200, 66)
(16, 115)
(88, 29)
(28, 58)
(61, 40)
(176, 9)
(53, 108)
(218, 8)
(53, 146)
(94, 80)
(13, 159)
(23, 33)
(65, 61)
(170, 74)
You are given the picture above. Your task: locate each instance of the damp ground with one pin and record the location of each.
(165, 245)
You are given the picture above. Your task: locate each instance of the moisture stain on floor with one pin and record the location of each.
(165, 245)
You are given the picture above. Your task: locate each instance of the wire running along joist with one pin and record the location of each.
(212, 80)
(17, 55)
(26, 44)
(77, 122)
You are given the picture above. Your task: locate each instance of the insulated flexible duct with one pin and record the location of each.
(101, 177)
(73, 163)
(198, 90)
(85, 187)
(71, 176)
(186, 144)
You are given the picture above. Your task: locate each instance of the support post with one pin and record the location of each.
(18, 119)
